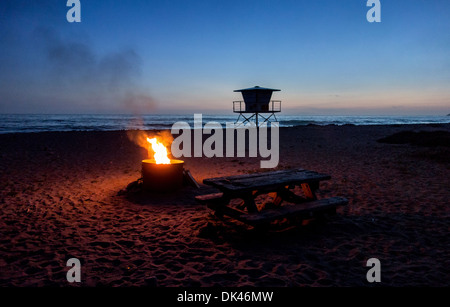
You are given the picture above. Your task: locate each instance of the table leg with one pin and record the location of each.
(250, 203)
(219, 208)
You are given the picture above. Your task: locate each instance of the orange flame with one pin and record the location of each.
(160, 151)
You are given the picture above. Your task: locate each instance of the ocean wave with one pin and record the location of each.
(16, 123)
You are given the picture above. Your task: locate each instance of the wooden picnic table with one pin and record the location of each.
(279, 185)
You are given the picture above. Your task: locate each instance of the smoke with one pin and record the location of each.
(138, 103)
(109, 82)
(139, 137)
(166, 138)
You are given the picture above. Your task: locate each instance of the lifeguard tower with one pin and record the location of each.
(256, 104)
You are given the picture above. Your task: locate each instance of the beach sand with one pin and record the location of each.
(59, 198)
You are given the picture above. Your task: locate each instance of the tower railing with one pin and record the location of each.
(273, 106)
(276, 106)
(237, 106)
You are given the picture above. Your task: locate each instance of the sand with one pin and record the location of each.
(59, 199)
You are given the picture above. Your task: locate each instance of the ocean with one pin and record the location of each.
(21, 123)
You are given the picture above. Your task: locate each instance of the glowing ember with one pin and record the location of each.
(160, 151)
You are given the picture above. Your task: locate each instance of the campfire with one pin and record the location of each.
(161, 173)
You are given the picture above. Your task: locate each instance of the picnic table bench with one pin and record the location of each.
(279, 185)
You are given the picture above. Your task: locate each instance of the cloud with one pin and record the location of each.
(65, 73)
(74, 62)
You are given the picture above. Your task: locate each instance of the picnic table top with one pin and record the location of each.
(265, 180)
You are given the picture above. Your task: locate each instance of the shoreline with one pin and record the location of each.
(429, 125)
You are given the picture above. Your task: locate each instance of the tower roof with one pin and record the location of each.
(257, 88)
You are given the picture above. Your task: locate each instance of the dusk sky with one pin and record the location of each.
(188, 56)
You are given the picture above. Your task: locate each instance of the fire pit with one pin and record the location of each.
(162, 177)
(161, 174)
